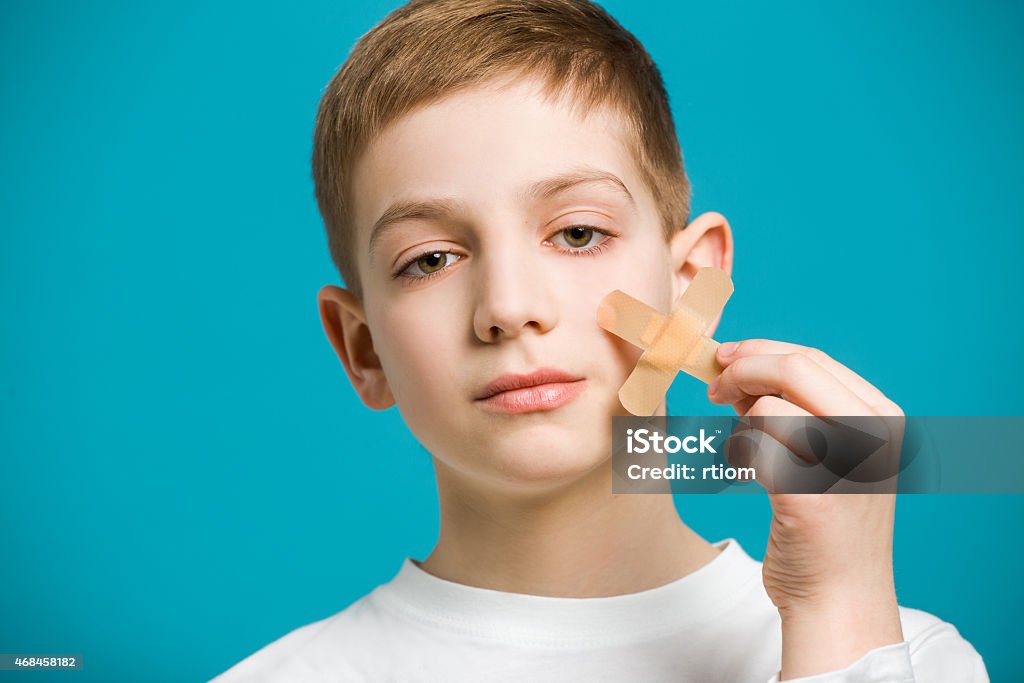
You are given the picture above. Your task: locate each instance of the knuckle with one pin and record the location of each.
(757, 409)
(765, 406)
(818, 356)
(795, 364)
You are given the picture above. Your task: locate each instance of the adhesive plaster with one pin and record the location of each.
(671, 343)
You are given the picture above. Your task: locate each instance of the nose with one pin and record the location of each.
(512, 298)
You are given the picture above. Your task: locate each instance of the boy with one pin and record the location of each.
(488, 170)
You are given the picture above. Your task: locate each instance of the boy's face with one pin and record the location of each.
(481, 274)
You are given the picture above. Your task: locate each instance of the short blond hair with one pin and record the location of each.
(428, 49)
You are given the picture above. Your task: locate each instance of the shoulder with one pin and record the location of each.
(938, 651)
(324, 649)
(280, 660)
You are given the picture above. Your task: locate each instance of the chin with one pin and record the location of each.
(544, 456)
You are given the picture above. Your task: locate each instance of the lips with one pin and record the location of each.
(544, 389)
(513, 382)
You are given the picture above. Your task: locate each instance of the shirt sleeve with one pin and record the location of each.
(887, 664)
(942, 660)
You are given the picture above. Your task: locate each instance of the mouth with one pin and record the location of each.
(544, 389)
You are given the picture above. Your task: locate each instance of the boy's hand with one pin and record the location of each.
(828, 565)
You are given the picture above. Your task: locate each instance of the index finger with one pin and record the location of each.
(866, 391)
(795, 376)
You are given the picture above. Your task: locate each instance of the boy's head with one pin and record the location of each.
(487, 172)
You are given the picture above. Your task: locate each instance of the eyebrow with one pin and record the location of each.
(545, 189)
(434, 209)
(404, 210)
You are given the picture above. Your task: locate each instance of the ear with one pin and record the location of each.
(344, 321)
(706, 241)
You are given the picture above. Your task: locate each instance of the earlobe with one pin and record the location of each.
(344, 321)
(705, 242)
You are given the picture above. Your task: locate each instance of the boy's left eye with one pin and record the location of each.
(576, 236)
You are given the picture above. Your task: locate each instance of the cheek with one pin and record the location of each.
(421, 360)
(639, 266)
(416, 350)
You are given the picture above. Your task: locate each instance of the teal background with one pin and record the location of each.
(186, 473)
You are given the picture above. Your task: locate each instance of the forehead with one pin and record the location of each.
(483, 147)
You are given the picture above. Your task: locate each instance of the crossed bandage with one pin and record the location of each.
(671, 343)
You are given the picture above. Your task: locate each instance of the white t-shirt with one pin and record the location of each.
(716, 624)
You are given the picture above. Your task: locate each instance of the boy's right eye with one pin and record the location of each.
(428, 264)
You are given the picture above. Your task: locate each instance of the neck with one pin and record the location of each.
(578, 541)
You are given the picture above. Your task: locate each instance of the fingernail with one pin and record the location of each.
(728, 348)
(713, 387)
